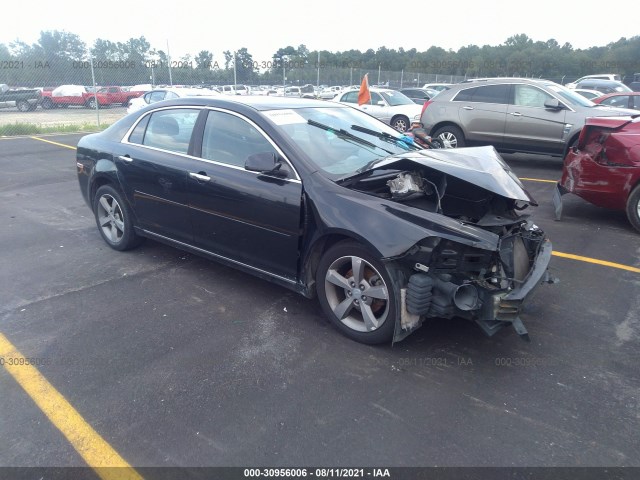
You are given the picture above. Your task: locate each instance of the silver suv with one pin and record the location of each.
(512, 114)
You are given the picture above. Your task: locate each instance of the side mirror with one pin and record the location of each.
(553, 104)
(381, 103)
(265, 162)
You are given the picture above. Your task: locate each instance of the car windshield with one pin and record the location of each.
(396, 98)
(569, 96)
(327, 136)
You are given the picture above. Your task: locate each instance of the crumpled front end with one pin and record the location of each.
(604, 166)
(487, 287)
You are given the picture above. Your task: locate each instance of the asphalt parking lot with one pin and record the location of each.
(174, 360)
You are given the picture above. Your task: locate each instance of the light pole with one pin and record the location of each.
(235, 74)
(169, 64)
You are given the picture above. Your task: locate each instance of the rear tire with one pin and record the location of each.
(450, 136)
(92, 103)
(47, 103)
(23, 105)
(114, 219)
(633, 208)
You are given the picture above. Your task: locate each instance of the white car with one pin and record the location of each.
(587, 93)
(330, 92)
(390, 106)
(438, 87)
(160, 94)
(234, 90)
(601, 76)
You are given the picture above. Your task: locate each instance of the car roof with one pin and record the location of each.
(598, 81)
(532, 81)
(185, 91)
(256, 102)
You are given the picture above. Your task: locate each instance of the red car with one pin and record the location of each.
(620, 99)
(604, 167)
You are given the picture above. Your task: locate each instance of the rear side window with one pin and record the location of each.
(351, 97)
(171, 129)
(485, 94)
(137, 136)
(156, 96)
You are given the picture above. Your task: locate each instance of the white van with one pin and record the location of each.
(234, 90)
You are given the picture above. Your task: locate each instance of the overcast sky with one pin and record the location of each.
(264, 26)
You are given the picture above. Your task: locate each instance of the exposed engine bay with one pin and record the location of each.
(447, 278)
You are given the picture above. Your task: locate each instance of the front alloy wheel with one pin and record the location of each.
(356, 293)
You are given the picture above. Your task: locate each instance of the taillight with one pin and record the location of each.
(424, 107)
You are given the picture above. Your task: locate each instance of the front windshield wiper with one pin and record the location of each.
(387, 137)
(341, 132)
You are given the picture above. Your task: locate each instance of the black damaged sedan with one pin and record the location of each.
(325, 200)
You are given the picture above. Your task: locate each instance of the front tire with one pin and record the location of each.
(633, 208)
(450, 137)
(357, 293)
(400, 123)
(92, 103)
(47, 103)
(114, 219)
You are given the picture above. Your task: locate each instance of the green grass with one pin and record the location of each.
(22, 128)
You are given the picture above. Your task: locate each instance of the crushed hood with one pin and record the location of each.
(481, 166)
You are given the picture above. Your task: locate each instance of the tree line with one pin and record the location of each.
(60, 57)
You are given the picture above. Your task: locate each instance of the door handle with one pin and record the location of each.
(201, 176)
(467, 108)
(515, 114)
(125, 158)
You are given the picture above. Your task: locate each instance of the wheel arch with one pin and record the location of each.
(403, 116)
(104, 173)
(572, 140)
(447, 123)
(317, 250)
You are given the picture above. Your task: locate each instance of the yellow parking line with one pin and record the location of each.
(538, 180)
(54, 143)
(596, 261)
(88, 443)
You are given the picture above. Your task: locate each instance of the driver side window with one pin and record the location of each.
(375, 98)
(528, 96)
(230, 139)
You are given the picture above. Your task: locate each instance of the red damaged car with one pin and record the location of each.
(604, 167)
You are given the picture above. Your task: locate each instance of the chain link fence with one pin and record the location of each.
(38, 96)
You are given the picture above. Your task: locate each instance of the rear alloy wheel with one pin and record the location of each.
(450, 137)
(400, 123)
(47, 103)
(114, 219)
(92, 103)
(356, 292)
(23, 105)
(633, 208)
